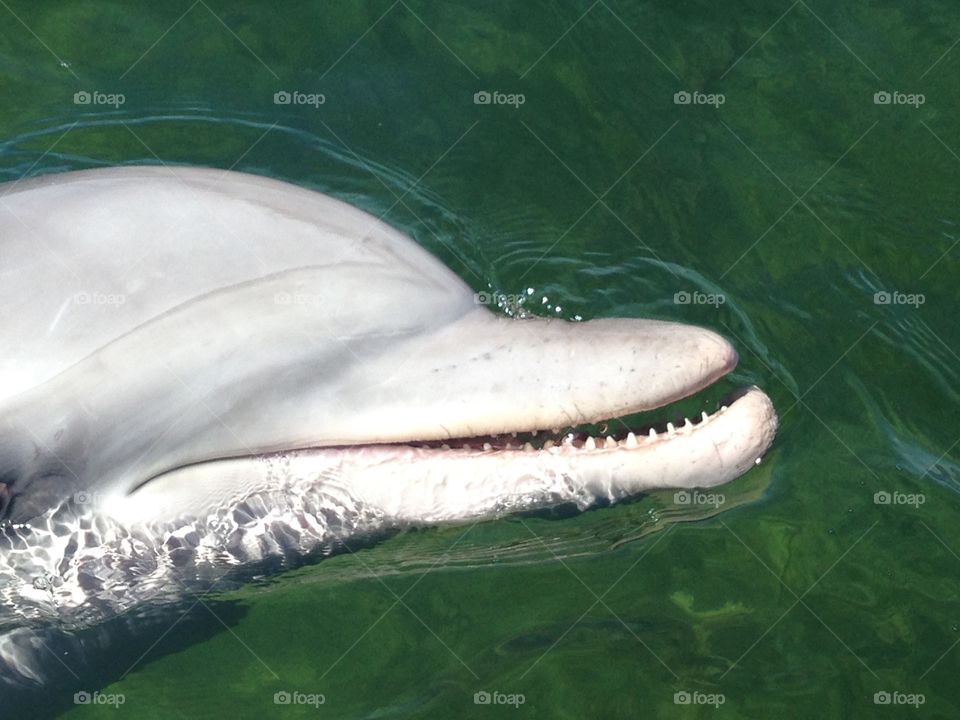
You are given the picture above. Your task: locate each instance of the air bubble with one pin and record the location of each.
(41, 583)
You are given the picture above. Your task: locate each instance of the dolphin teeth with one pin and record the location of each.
(487, 446)
(534, 432)
(548, 444)
(703, 416)
(652, 434)
(723, 408)
(466, 446)
(513, 434)
(611, 443)
(568, 439)
(590, 444)
(671, 430)
(528, 447)
(687, 424)
(444, 447)
(631, 441)
(556, 431)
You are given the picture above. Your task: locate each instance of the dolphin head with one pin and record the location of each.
(458, 421)
(192, 316)
(236, 363)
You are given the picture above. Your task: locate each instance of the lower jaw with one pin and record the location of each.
(432, 482)
(304, 499)
(421, 483)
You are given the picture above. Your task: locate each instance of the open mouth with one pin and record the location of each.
(616, 433)
(640, 419)
(512, 420)
(507, 471)
(640, 423)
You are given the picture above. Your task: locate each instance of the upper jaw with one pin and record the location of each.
(486, 375)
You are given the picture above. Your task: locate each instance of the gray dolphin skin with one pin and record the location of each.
(203, 369)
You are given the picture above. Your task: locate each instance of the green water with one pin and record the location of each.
(803, 597)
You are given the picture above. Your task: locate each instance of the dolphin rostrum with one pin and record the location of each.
(203, 368)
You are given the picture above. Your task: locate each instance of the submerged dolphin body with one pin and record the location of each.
(200, 369)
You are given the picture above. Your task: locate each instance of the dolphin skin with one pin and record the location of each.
(202, 369)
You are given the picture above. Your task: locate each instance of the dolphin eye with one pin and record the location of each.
(5, 495)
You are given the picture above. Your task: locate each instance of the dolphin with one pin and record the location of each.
(203, 368)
